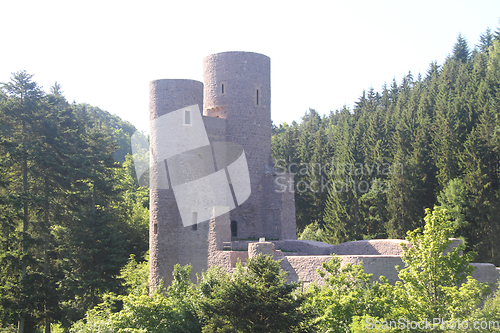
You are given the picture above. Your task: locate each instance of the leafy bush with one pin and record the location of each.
(347, 293)
(171, 311)
(436, 283)
(489, 313)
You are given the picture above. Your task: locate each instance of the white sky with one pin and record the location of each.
(323, 53)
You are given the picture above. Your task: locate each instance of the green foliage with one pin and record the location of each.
(489, 313)
(252, 299)
(485, 41)
(453, 199)
(367, 323)
(135, 276)
(461, 50)
(9, 329)
(120, 130)
(436, 281)
(172, 311)
(313, 232)
(69, 216)
(134, 208)
(140, 314)
(347, 293)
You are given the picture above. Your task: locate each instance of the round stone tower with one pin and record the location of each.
(237, 87)
(170, 242)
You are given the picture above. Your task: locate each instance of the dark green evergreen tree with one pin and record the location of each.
(461, 51)
(255, 299)
(485, 41)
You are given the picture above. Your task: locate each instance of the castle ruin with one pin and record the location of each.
(235, 100)
(213, 188)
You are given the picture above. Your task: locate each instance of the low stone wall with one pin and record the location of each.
(486, 273)
(236, 256)
(266, 248)
(377, 265)
(221, 259)
(295, 246)
(370, 247)
(305, 267)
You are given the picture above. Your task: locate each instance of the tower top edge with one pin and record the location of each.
(175, 81)
(229, 53)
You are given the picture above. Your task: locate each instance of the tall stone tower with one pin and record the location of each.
(238, 88)
(234, 107)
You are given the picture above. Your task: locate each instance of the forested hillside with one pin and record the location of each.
(70, 215)
(427, 140)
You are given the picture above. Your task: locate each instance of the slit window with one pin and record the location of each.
(155, 228)
(234, 229)
(257, 97)
(194, 221)
(187, 117)
(222, 88)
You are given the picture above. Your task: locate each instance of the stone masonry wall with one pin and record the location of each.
(305, 267)
(232, 81)
(171, 242)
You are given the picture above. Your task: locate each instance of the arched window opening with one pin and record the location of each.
(234, 229)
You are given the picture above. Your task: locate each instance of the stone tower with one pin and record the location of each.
(237, 87)
(234, 107)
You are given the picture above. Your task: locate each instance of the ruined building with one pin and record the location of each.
(191, 119)
(214, 191)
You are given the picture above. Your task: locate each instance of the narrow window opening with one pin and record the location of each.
(187, 117)
(257, 96)
(155, 228)
(194, 221)
(222, 87)
(234, 229)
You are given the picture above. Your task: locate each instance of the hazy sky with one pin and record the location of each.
(323, 53)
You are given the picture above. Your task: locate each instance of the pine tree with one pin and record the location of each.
(341, 211)
(20, 110)
(485, 41)
(461, 50)
(446, 142)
